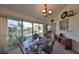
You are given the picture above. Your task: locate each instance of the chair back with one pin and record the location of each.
(48, 49)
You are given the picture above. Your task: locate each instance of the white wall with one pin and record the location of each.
(73, 26)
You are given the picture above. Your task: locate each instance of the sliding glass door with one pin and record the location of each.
(14, 32)
(22, 30)
(27, 30)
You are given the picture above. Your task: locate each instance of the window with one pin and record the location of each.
(38, 28)
(49, 28)
(14, 31)
(21, 30)
(64, 25)
(27, 30)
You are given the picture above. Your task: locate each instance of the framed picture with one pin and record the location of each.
(64, 25)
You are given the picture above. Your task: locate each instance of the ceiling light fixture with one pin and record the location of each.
(46, 12)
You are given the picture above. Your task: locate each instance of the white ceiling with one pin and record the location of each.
(35, 10)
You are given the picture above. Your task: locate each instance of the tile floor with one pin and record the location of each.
(57, 49)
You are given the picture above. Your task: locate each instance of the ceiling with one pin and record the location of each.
(35, 10)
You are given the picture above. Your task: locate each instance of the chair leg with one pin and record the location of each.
(39, 51)
(52, 51)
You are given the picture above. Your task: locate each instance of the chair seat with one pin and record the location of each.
(47, 49)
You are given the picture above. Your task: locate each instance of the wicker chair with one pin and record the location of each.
(49, 49)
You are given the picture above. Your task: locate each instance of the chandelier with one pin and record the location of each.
(46, 12)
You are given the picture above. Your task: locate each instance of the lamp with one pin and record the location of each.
(46, 12)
